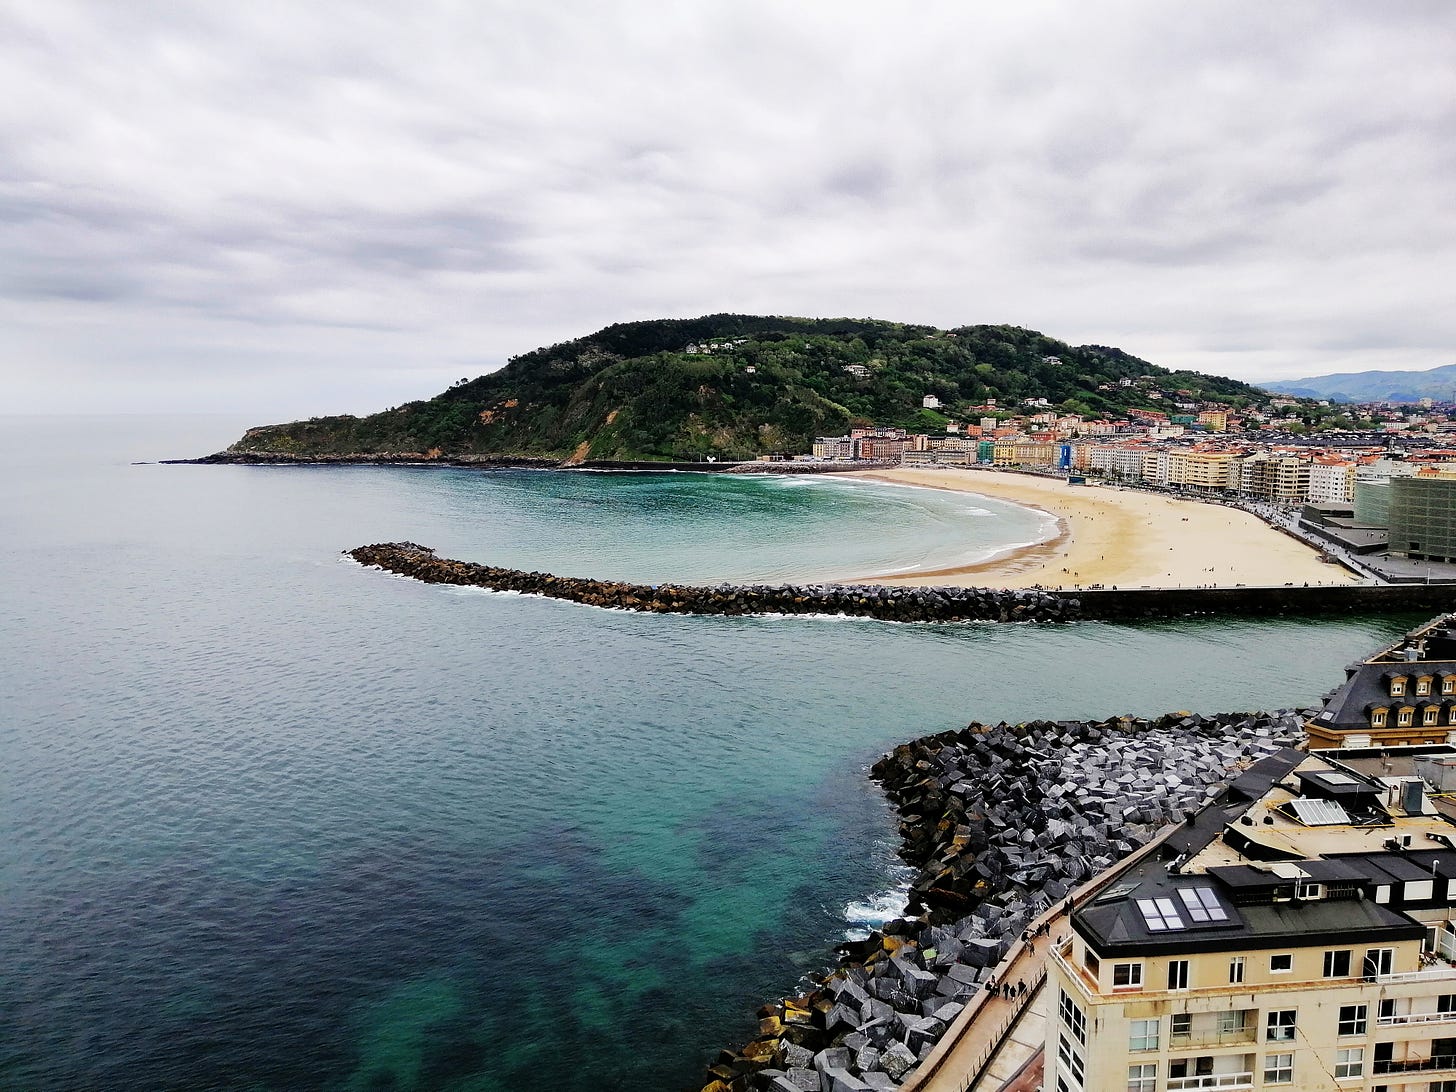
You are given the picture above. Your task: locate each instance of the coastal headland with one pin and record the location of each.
(1108, 536)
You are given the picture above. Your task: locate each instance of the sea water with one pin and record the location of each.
(270, 820)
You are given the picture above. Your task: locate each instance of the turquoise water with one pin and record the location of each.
(271, 820)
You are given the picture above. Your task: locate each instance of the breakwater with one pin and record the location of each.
(897, 604)
(867, 601)
(1001, 822)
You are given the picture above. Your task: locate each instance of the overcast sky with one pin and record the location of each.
(289, 209)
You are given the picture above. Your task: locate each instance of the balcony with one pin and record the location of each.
(1438, 973)
(1413, 1065)
(1416, 1018)
(1212, 1080)
(1214, 1037)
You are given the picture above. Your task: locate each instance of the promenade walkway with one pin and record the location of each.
(989, 1020)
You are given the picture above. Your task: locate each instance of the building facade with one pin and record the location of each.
(1422, 517)
(1295, 935)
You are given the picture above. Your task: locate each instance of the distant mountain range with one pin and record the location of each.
(736, 386)
(1437, 383)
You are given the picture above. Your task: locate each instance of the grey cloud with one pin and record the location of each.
(1255, 186)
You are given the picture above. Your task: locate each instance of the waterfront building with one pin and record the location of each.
(1283, 479)
(1331, 480)
(1204, 471)
(1403, 694)
(1294, 934)
(1422, 517)
(1115, 461)
(1024, 452)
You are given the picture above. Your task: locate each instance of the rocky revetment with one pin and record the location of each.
(1001, 822)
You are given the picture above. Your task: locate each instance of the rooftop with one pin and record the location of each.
(1298, 850)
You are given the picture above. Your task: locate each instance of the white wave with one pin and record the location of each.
(870, 913)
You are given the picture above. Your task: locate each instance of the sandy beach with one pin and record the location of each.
(1118, 537)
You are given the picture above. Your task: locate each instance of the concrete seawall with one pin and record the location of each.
(912, 604)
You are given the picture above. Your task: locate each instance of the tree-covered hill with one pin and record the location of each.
(736, 386)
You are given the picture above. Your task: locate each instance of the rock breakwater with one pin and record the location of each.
(857, 600)
(1002, 822)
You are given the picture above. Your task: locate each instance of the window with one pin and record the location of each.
(1279, 1069)
(1386, 1011)
(1143, 1035)
(1074, 1019)
(1377, 718)
(1446, 1002)
(1423, 686)
(1378, 961)
(1236, 969)
(1430, 714)
(1142, 1078)
(1281, 964)
(1091, 962)
(1180, 1025)
(1127, 976)
(1177, 974)
(1159, 915)
(1349, 1062)
(1448, 685)
(1337, 964)
(1071, 1061)
(1232, 1021)
(1397, 685)
(1352, 1019)
(1279, 1025)
(1403, 719)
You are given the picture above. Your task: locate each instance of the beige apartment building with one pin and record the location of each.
(1294, 935)
(1205, 471)
(1283, 479)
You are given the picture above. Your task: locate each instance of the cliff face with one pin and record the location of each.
(734, 387)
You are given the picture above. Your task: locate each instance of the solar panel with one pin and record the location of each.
(1318, 813)
(1202, 904)
(1339, 779)
(1159, 914)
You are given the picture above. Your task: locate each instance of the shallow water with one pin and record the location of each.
(271, 820)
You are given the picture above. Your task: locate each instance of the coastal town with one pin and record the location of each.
(1385, 492)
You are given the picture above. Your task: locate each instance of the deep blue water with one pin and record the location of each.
(269, 820)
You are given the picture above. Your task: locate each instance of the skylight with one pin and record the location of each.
(1338, 779)
(1160, 914)
(1318, 813)
(1202, 904)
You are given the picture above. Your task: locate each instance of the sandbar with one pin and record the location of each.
(1113, 537)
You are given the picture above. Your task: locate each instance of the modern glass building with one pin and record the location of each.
(1422, 518)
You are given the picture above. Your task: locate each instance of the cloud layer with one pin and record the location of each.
(293, 209)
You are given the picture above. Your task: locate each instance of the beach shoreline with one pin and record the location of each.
(1112, 537)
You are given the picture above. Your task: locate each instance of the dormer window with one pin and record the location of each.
(1403, 718)
(1451, 714)
(1423, 686)
(1397, 686)
(1377, 717)
(1448, 684)
(1430, 714)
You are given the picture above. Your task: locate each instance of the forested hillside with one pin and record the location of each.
(736, 386)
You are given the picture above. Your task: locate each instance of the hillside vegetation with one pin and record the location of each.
(752, 385)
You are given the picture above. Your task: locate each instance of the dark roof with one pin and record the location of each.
(1348, 708)
(1117, 927)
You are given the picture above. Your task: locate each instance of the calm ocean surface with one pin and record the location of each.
(269, 820)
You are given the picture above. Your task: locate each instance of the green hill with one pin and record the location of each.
(737, 386)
